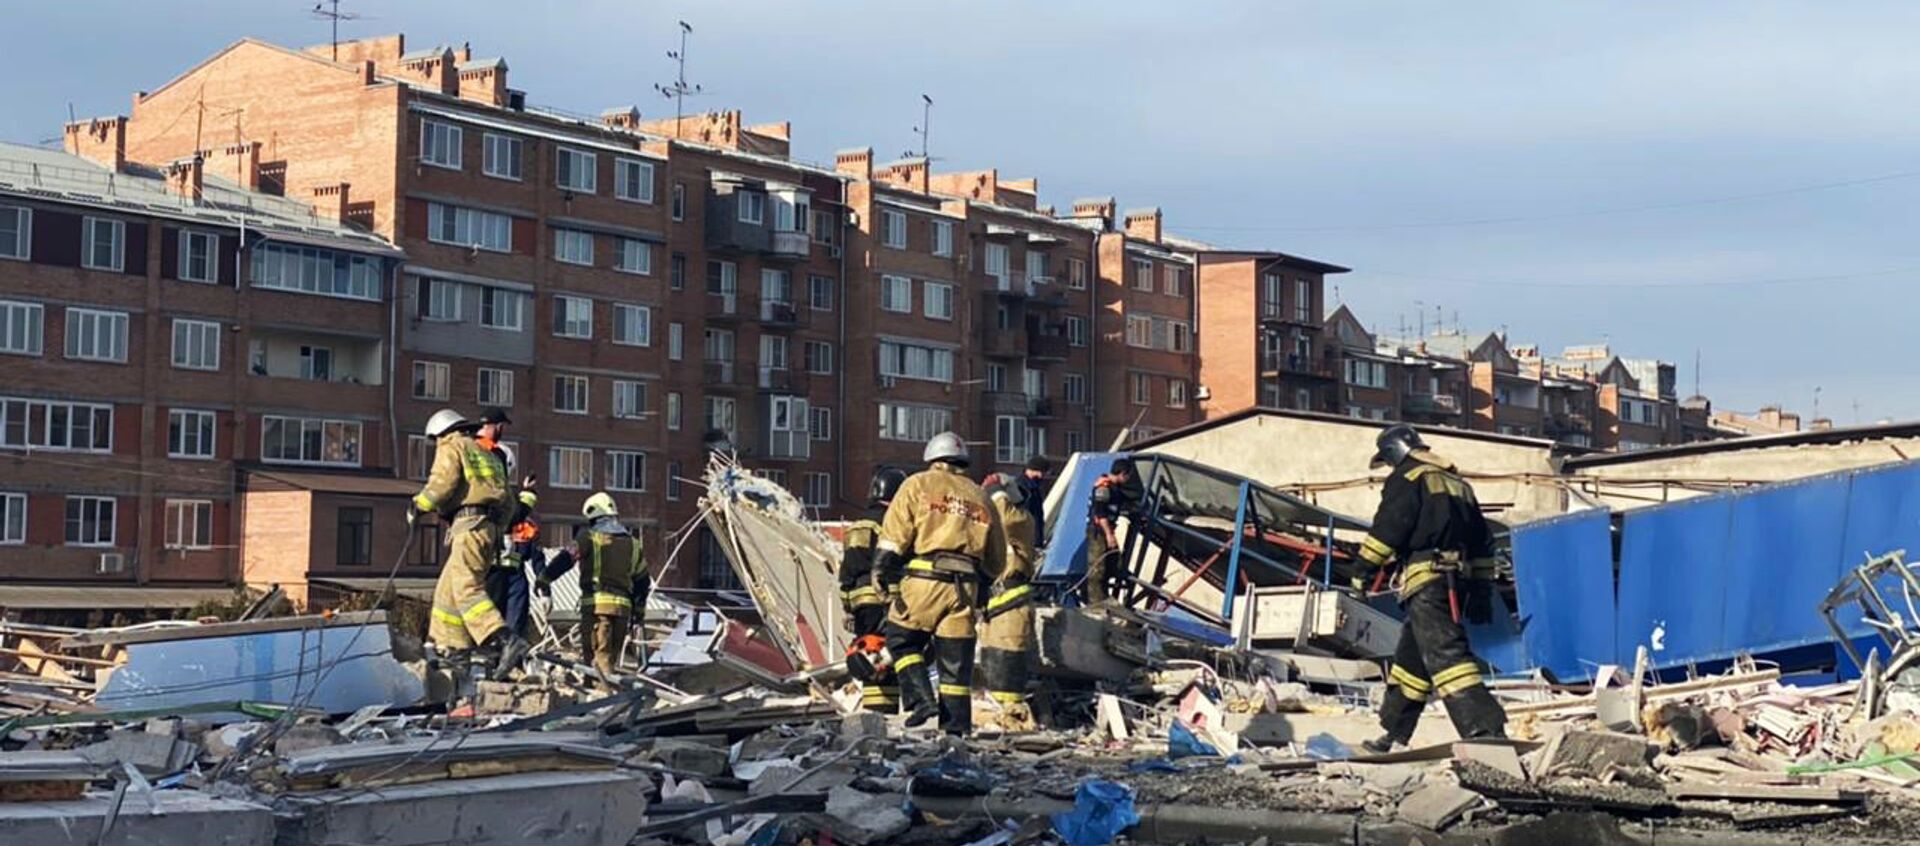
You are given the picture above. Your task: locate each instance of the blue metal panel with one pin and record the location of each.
(1065, 560)
(1883, 515)
(1563, 573)
(1783, 555)
(1672, 582)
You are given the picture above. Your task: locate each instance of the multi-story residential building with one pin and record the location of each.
(169, 325)
(1262, 340)
(1146, 369)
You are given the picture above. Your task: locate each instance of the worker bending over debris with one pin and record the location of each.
(1113, 496)
(1430, 524)
(865, 599)
(944, 518)
(507, 578)
(1007, 640)
(613, 581)
(467, 487)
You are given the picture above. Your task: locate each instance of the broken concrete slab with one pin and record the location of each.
(1072, 644)
(163, 817)
(861, 725)
(307, 737)
(1499, 756)
(152, 754)
(1436, 805)
(685, 756)
(602, 808)
(866, 818)
(1595, 753)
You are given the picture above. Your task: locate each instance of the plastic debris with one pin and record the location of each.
(1101, 810)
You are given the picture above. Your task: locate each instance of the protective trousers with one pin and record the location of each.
(1099, 559)
(605, 635)
(463, 615)
(507, 587)
(883, 693)
(935, 614)
(1432, 638)
(1006, 641)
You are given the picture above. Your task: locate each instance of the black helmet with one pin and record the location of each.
(1121, 466)
(886, 483)
(1395, 442)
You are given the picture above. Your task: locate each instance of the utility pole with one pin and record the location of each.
(678, 89)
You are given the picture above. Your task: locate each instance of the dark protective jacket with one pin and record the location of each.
(613, 568)
(1033, 494)
(1428, 520)
(858, 585)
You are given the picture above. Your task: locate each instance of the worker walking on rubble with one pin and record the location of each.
(1429, 526)
(865, 599)
(1113, 495)
(613, 582)
(467, 487)
(1006, 642)
(945, 520)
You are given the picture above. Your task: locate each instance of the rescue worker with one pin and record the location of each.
(1113, 495)
(467, 487)
(862, 595)
(1007, 639)
(1033, 494)
(944, 519)
(613, 581)
(1430, 528)
(507, 578)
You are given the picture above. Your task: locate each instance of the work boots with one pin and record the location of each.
(512, 653)
(916, 693)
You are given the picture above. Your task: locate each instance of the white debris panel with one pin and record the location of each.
(785, 561)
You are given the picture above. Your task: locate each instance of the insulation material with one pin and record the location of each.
(786, 562)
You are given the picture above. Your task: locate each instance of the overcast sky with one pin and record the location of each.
(1732, 180)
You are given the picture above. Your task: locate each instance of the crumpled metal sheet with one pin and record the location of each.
(788, 565)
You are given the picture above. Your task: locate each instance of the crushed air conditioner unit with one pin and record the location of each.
(1298, 617)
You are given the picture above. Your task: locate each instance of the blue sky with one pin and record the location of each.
(1728, 179)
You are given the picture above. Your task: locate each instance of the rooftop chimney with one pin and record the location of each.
(238, 162)
(483, 81)
(857, 163)
(1096, 207)
(184, 177)
(1144, 224)
(621, 117)
(330, 201)
(102, 141)
(910, 174)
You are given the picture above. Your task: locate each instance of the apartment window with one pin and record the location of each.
(96, 335)
(893, 228)
(896, 294)
(900, 422)
(570, 467)
(189, 524)
(52, 425)
(1142, 388)
(1176, 284)
(465, 227)
(304, 440)
(502, 156)
(189, 433)
(572, 317)
(494, 386)
(576, 169)
(787, 419)
(106, 242)
(1009, 439)
(570, 394)
(431, 380)
(1179, 336)
(1270, 288)
(820, 293)
(723, 278)
(503, 309)
(438, 299)
(1140, 331)
(821, 227)
(196, 344)
(636, 256)
(819, 356)
(1074, 442)
(938, 300)
(420, 449)
(1303, 399)
(718, 345)
(573, 246)
(942, 238)
(996, 264)
(633, 180)
(21, 330)
(996, 378)
(1076, 331)
(913, 361)
(1364, 373)
(673, 411)
(1142, 274)
(676, 341)
(752, 206)
(1073, 388)
(626, 471)
(311, 270)
(1303, 300)
(353, 536)
(440, 144)
(629, 399)
(13, 518)
(818, 490)
(1036, 266)
(820, 423)
(773, 353)
(720, 415)
(197, 251)
(677, 272)
(1076, 274)
(632, 325)
(1177, 393)
(90, 520)
(16, 232)
(776, 288)
(1033, 383)
(673, 475)
(679, 201)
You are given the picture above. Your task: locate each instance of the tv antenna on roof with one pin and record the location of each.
(329, 10)
(926, 121)
(678, 89)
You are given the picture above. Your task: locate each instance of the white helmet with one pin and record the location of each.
(443, 421)
(947, 447)
(599, 505)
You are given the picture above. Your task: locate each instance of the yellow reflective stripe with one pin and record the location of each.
(479, 608)
(1406, 679)
(920, 564)
(955, 690)
(889, 546)
(1457, 678)
(446, 616)
(421, 502)
(478, 463)
(869, 525)
(1007, 697)
(907, 661)
(1375, 551)
(862, 592)
(997, 602)
(1414, 473)
(611, 599)
(529, 498)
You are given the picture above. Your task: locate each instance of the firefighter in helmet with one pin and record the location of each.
(1113, 496)
(865, 599)
(467, 486)
(613, 582)
(1007, 621)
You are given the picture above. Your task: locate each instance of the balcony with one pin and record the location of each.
(1564, 424)
(1047, 347)
(1274, 314)
(1432, 404)
(1004, 343)
(1047, 294)
(777, 314)
(1040, 408)
(1012, 284)
(1006, 404)
(721, 374)
(1295, 364)
(783, 380)
(789, 245)
(723, 308)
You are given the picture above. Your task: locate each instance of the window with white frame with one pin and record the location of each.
(938, 298)
(1076, 274)
(677, 272)
(570, 467)
(1036, 266)
(773, 357)
(16, 232)
(503, 309)
(576, 170)
(196, 344)
(189, 524)
(1033, 382)
(494, 386)
(629, 399)
(1176, 284)
(1177, 393)
(1073, 388)
(820, 423)
(1075, 441)
(718, 345)
(420, 449)
(896, 294)
(572, 317)
(721, 415)
(676, 341)
(819, 489)
(189, 433)
(901, 422)
(197, 256)
(22, 329)
(750, 206)
(626, 470)
(570, 394)
(636, 256)
(1271, 286)
(819, 356)
(466, 227)
(820, 293)
(893, 228)
(1036, 440)
(311, 270)
(633, 180)
(1142, 388)
(94, 335)
(1139, 331)
(787, 419)
(996, 262)
(914, 361)
(316, 363)
(1179, 336)
(673, 411)
(440, 144)
(632, 325)
(502, 157)
(90, 520)
(1076, 331)
(679, 201)
(13, 519)
(1142, 274)
(55, 425)
(673, 475)
(943, 238)
(573, 246)
(776, 287)
(308, 440)
(1303, 300)
(1009, 439)
(821, 227)
(431, 380)
(1364, 373)
(437, 299)
(106, 244)
(996, 377)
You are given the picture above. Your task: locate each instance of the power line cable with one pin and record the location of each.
(1714, 283)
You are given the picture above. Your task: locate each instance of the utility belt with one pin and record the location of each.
(863, 596)
(1423, 568)
(486, 513)
(944, 566)
(1007, 596)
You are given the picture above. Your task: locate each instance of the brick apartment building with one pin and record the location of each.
(1146, 312)
(1263, 341)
